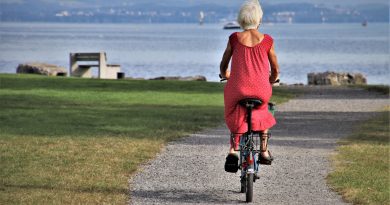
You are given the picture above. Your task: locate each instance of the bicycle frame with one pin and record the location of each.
(250, 147)
(248, 153)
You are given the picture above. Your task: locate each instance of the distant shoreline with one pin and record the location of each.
(152, 50)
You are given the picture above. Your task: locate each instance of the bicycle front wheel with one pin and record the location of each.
(249, 187)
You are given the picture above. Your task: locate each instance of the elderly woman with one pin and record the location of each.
(253, 57)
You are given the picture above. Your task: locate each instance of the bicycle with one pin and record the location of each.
(249, 148)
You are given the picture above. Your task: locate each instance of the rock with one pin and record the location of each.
(165, 78)
(42, 69)
(188, 78)
(359, 79)
(131, 78)
(333, 78)
(298, 84)
(194, 78)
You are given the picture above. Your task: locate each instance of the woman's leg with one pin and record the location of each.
(265, 155)
(234, 142)
(231, 164)
(264, 144)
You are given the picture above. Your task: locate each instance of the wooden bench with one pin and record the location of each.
(99, 60)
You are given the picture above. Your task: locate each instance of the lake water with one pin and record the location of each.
(151, 50)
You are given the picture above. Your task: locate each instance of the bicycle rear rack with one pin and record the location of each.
(256, 136)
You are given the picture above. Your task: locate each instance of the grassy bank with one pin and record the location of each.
(384, 89)
(362, 164)
(67, 140)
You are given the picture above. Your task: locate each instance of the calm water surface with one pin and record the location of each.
(151, 50)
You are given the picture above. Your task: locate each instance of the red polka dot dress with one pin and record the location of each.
(249, 78)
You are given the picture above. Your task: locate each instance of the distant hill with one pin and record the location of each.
(175, 11)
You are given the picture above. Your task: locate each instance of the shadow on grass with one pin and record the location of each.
(317, 129)
(42, 116)
(340, 92)
(384, 89)
(110, 190)
(375, 131)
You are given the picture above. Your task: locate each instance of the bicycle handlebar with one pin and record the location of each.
(221, 79)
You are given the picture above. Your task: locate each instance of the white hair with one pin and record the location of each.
(250, 15)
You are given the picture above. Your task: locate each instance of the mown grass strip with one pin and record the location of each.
(77, 141)
(362, 167)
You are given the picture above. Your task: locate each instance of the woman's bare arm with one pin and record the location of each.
(274, 65)
(225, 61)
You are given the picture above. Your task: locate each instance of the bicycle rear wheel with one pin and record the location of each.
(249, 187)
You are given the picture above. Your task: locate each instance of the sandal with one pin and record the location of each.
(264, 142)
(266, 160)
(231, 164)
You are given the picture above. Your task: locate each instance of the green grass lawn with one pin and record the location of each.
(362, 164)
(68, 140)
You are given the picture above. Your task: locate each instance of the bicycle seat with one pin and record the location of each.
(250, 102)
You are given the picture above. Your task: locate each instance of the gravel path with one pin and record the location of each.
(190, 170)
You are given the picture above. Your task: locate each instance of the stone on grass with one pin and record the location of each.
(41, 69)
(188, 78)
(333, 78)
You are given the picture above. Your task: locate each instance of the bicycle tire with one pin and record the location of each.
(249, 188)
(243, 184)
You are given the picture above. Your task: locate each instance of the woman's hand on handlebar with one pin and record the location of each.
(276, 82)
(221, 78)
(225, 76)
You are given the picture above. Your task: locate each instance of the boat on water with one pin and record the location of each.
(364, 23)
(232, 25)
(201, 17)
